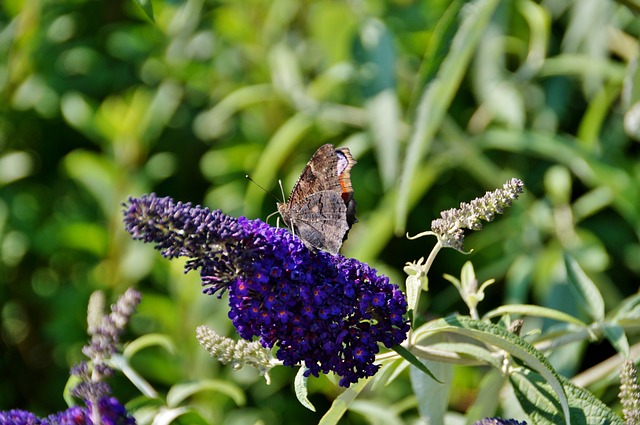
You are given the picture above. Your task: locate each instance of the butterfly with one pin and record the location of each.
(321, 208)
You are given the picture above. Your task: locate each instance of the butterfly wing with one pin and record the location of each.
(318, 175)
(321, 208)
(319, 220)
(345, 162)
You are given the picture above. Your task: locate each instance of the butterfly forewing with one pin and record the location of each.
(321, 208)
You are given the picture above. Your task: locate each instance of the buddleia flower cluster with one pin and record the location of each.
(449, 228)
(325, 311)
(100, 407)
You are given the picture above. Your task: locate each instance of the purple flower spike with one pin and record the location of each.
(19, 417)
(111, 412)
(498, 421)
(326, 311)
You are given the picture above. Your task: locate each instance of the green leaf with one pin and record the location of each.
(499, 337)
(375, 55)
(486, 403)
(376, 413)
(97, 173)
(413, 285)
(149, 340)
(407, 355)
(438, 95)
(586, 289)
(628, 309)
(535, 311)
(168, 416)
(300, 385)
(147, 7)
(616, 336)
(467, 350)
(121, 362)
(66, 393)
(342, 403)
(432, 396)
(180, 392)
(535, 396)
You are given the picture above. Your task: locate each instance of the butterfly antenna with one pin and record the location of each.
(281, 189)
(265, 190)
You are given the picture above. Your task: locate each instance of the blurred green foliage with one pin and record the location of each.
(100, 102)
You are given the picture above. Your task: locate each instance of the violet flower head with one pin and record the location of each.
(328, 312)
(110, 412)
(19, 417)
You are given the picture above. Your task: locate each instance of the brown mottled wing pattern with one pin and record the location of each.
(320, 221)
(317, 175)
(321, 208)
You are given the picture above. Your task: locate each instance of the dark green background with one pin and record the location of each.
(98, 103)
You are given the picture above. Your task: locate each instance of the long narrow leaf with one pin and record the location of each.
(536, 311)
(342, 403)
(509, 342)
(438, 96)
(406, 354)
(586, 289)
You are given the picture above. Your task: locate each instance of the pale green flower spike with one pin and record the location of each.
(449, 227)
(238, 353)
(449, 231)
(630, 393)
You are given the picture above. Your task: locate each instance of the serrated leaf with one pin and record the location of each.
(586, 289)
(407, 355)
(180, 392)
(300, 385)
(534, 394)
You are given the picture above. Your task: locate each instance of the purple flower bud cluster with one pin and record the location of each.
(328, 312)
(106, 334)
(111, 413)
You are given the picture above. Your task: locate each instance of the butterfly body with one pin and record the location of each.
(321, 208)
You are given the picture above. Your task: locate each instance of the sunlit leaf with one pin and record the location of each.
(300, 386)
(180, 392)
